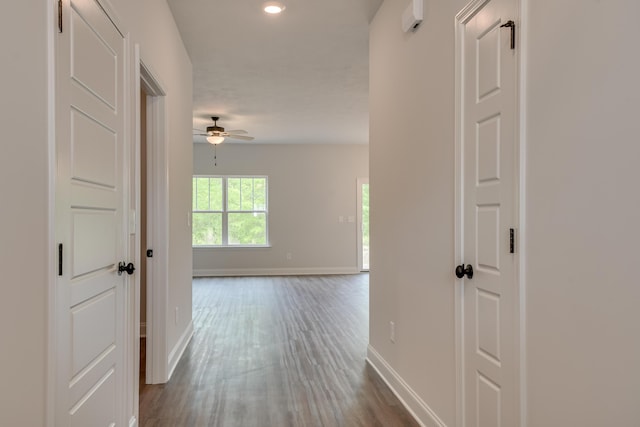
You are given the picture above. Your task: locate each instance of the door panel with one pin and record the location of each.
(488, 404)
(90, 218)
(488, 151)
(97, 407)
(94, 332)
(94, 246)
(489, 211)
(88, 286)
(488, 320)
(487, 238)
(94, 60)
(488, 60)
(93, 149)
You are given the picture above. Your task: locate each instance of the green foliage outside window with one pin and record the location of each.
(207, 229)
(365, 215)
(247, 229)
(365, 226)
(243, 222)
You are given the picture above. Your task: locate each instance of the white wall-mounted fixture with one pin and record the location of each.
(273, 7)
(412, 16)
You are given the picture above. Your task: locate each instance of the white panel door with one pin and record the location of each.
(489, 212)
(89, 218)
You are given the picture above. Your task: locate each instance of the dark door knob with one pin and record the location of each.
(462, 271)
(129, 268)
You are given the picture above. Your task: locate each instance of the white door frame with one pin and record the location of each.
(520, 362)
(359, 183)
(157, 368)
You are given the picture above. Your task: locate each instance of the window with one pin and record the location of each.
(230, 211)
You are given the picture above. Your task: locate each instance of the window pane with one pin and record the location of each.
(215, 194)
(260, 194)
(202, 196)
(194, 194)
(207, 229)
(247, 229)
(365, 226)
(233, 194)
(247, 194)
(244, 195)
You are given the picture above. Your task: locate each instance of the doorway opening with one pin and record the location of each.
(363, 224)
(152, 230)
(144, 244)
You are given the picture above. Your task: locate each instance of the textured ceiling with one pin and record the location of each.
(300, 77)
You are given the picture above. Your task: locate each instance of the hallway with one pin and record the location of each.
(274, 352)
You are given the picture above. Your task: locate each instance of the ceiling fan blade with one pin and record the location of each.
(242, 137)
(240, 131)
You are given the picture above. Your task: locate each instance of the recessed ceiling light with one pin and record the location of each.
(273, 7)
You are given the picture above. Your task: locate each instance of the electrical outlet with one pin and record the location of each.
(392, 332)
(177, 317)
(289, 256)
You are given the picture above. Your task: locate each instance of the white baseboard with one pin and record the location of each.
(424, 415)
(220, 272)
(179, 348)
(143, 329)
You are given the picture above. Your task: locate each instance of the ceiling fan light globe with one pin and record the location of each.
(215, 140)
(273, 7)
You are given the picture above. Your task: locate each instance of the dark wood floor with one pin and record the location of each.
(276, 352)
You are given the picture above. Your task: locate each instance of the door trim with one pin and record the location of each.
(52, 254)
(157, 367)
(521, 126)
(519, 204)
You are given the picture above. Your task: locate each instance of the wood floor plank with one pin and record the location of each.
(276, 352)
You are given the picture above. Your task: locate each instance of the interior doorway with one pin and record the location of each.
(151, 213)
(144, 244)
(363, 224)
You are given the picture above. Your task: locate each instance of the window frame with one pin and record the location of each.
(225, 211)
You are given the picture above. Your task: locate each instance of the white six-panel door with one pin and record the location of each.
(489, 196)
(89, 218)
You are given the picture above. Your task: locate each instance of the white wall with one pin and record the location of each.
(582, 208)
(23, 215)
(24, 227)
(151, 25)
(412, 204)
(310, 186)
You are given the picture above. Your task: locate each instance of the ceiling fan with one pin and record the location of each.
(216, 134)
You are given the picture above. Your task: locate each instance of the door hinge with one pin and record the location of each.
(60, 259)
(60, 16)
(512, 25)
(512, 241)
